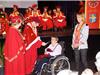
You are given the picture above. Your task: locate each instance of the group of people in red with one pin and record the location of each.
(20, 47)
(48, 20)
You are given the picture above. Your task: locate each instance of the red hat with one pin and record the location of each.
(34, 5)
(15, 6)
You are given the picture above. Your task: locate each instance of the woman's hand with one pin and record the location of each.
(44, 44)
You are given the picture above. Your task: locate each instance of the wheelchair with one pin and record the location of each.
(56, 64)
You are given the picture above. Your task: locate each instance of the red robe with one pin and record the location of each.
(28, 17)
(14, 50)
(58, 23)
(47, 22)
(31, 52)
(3, 25)
(36, 16)
(15, 18)
(28, 34)
(61, 24)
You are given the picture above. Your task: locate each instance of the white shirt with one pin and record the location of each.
(56, 49)
(83, 37)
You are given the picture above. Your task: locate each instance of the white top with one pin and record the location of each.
(56, 49)
(84, 33)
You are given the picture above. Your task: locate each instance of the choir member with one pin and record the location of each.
(15, 17)
(60, 21)
(4, 25)
(46, 20)
(32, 42)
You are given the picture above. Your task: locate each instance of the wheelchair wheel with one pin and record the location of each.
(46, 69)
(60, 63)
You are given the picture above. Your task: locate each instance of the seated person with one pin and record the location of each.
(53, 49)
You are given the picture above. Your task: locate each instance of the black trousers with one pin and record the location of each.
(80, 57)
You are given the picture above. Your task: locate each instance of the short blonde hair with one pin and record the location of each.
(81, 15)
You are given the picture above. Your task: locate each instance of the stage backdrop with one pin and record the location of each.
(93, 14)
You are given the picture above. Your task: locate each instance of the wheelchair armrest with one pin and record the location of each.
(43, 65)
(52, 58)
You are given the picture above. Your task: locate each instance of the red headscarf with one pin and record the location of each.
(15, 6)
(34, 5)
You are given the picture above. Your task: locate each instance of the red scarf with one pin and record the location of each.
(77, 36)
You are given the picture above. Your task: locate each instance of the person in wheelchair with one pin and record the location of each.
(54, 49)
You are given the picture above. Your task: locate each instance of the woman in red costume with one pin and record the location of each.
(46, 20)
(54, 19)
(60, 19)
(3, 22)
(28, 15)
(14, 50)
(37, 16)
(36, 13)
(32, 42)
(15, 16)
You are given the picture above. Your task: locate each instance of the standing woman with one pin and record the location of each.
(79, 41)
(60, 21)
(46, 20)
(32, 43)
(14, 50)
(15, 17)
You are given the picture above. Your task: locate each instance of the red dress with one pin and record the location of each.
(47, 22)
(28, 17)
(32, 43)
(36, 16)
(3, 25)
(14, 50)
(60, 21)
(15, 18)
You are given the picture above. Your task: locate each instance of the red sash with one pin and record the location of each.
(77, 36)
